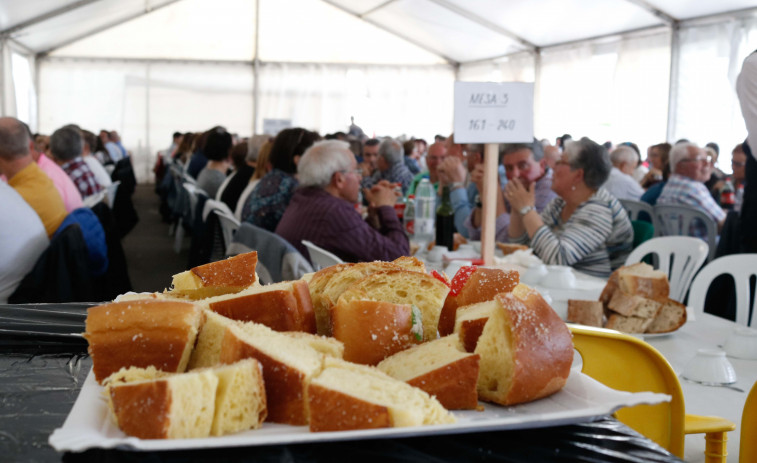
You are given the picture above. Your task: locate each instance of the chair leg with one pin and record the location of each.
(716, 447)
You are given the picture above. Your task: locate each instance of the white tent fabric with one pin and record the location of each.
(620, 70)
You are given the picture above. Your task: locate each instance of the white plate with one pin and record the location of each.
(582, 399)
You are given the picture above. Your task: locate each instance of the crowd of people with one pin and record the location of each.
(46, 183)
(339, 191)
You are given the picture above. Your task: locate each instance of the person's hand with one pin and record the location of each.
(477, 177)
(366, 169)
(451, 170)
(518, 195)
(381, 194)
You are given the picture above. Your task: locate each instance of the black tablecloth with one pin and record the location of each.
(40, 378)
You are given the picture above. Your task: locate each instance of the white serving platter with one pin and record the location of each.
(581, 400)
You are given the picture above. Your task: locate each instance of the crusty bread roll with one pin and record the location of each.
(288, 366)
(628, 324)
(472, 286)
(222, 277)
(374, 330)
(141, 333)
(172, 407)
(410, 263)
(342, 279)
(588, 313)
(526, 349)
(347, 396)
(643, 280)
(509, 248)
(672, 315)
(284, 306)
(321, 307)
(631, 305)
(403, 287)
(469, 324)
(441, 368)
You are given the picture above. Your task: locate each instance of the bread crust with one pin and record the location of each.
(142, 410)
(585, 312)
(316, 285)
(482, 285)
(234, 272)
(453, 385)
(332, 410)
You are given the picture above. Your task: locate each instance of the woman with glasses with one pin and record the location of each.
(585, 227)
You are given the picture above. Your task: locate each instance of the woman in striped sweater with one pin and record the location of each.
(585, 227)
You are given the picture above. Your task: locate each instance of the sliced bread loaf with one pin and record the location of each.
(631, 305)
(671, 316)
(225, 276)
(585, 312)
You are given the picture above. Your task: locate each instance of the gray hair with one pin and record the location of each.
(391, 150)
(322, 160)
(66, 143)
(14, 139)
(592, 158)
(536, 148)
(623, 154)
(679, 152)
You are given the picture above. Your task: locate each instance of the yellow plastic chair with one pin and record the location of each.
(626, 363)
(748, 447)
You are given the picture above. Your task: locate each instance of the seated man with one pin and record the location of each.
(621, 183)
(66, 148)
(455, 173)
(690, 169)
(323, 211)
(25, 176)
(524, 161)
(434, 157)
(390, 166)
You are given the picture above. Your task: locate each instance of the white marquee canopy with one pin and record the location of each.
(639, 70)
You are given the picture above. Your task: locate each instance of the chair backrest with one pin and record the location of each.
(229, 223)
(741, 267)
(748, 446)
(320, 257)
(243, 199)
(110, 192)
(634, 208)
(626, 363)
(677, 220)
(678, 256)
(193, 191)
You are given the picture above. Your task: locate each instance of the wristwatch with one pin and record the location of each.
(525, 210)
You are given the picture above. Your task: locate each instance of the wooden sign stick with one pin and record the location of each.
(489, 200)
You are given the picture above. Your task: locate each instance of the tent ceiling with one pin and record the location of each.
(456, 31)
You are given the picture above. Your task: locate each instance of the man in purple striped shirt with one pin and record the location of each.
(322, 209)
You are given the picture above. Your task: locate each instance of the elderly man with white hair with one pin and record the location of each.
(690, 169)
(621, 183)
(391, 166)
(322, 209)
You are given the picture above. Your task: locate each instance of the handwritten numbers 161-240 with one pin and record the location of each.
(502, 124)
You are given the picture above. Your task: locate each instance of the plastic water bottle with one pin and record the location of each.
(409, 217)
(425, 212)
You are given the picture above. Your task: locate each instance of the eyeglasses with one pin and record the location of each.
(357, 172)
(696, 159)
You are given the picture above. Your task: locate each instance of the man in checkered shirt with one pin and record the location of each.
(691, 169)
(66, 148)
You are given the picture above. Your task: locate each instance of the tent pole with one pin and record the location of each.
(255, 73)
(3, 96)
(675, 56)
(148, 148)
(537, 85)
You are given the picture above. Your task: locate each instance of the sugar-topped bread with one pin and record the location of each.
(441, 368)
(222, 277)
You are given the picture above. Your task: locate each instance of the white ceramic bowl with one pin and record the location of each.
(710, 367)
(742, 344)
(559, 277)
(436, 253)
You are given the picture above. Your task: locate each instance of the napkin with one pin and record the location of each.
(524, 258)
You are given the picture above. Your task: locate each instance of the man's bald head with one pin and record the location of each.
(14, 139)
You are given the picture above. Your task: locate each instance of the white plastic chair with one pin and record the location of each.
(678, 256)
(192, 191)
(110, 192)
(229, 223)
(672, 220)
(635, 207)
(320, 257)
(741, 267)
(243, 199)
(91, 200)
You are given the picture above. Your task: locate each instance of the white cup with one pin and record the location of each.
(436, 253)
(709, 367)
(742, 344)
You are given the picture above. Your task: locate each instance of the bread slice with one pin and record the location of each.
(284, 306)
(316, 285)
(671, 316)
(634, 306)
(288, 366)
(327, 346)
(642, 279)
(207, 350)
(585, 312)
(481, 285)
(172, 407)
(526, 349)
(469, 323)
(410, 263)
(441, 368)
(374, 330)
(348, 396)
(141, 333)
(240, 402)
(222, 277)
(509, 248)
(628, 324)
(340, 281)
(610, 288)
(403, 287)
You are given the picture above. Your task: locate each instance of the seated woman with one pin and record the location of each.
(267, 202)
(217, 147)
(584, 227)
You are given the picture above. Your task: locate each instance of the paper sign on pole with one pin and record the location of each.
(274, 126)
(494, 112)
